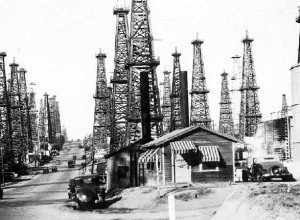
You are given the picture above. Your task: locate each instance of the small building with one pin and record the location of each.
(122, 166)
(192, 154)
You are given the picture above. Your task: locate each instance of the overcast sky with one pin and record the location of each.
(56, 41)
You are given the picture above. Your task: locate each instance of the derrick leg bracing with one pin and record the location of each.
(166, 107)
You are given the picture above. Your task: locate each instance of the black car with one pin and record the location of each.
(86, 191)
(71, 163)
(45, 169)
(54, 169)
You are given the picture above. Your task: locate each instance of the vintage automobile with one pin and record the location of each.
(86, 191)
(265, 168)
(54, 169)
(71, 163)
(45, 169)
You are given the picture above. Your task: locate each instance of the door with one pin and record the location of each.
(183, 171)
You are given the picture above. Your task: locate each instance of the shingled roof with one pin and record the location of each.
(181, 133)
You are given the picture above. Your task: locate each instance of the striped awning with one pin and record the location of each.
(148, 155)
(210, 153)
(183, 147)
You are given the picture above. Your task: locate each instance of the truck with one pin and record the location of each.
(265, 168)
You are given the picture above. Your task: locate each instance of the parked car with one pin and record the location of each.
(86, 191)
(45, 169)
(71, 163)
(54, 169)
(265, 168)
(57, 162)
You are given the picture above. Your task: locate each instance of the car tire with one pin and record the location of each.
(259, 176)
(245, 177)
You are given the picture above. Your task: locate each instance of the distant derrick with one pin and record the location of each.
(43, 125)
(250, 114)
(225, 122)
(199, 101)
(25, 109)
(119, 81)
(33, 117)
(235, 93)
(175, 95)
(284, 108)
(19, 145)
(101, 125)
(166, 106)
(141, 60)
(4, 108)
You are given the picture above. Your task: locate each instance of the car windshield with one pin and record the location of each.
(90, 180)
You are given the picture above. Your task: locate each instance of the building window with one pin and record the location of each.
(151, 166)
(209, 166)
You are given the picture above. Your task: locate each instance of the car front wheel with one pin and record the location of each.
(245, 177)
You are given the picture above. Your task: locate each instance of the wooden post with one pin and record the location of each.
(163, 166)
(157, 176)
(171, 202)
(233, 161)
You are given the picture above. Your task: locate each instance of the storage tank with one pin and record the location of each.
(295, 79)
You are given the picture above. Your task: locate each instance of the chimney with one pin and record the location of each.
(145, 106)
(184, 99)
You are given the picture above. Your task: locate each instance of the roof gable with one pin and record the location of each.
(181, 133)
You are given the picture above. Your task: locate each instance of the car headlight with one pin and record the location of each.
(83, 198)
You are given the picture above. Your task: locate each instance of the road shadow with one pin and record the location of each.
(26, 203)
(37, 184)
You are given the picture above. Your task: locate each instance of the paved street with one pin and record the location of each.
(45, 195)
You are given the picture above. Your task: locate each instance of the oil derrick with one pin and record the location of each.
(175, 120)
(225, 122)
(102, 107)
(199, 100)
(52, 103)
(43, 124)
(166, 106)
(33, 117)
(141, 61)
(119, 81)
(284, 109)
(18, 137)
(250, 114)
(49, 125)
(5, 139)
(25, 109)
(235, 94)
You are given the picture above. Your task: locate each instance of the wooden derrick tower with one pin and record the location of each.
(18, 138)
(33, 116)
(284, 108)
(250, 114)
(25, 109)
(199, 100)
(43, 125)
(176, 114)
(119, 81)
(102, 107)
(141, 60)
(5, 130)
(166, 106)
(225, 122)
